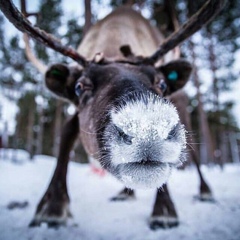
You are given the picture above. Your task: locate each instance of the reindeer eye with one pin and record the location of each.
(163, 85)
(78, 89)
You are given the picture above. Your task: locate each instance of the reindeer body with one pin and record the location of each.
(124, 26)
(124, 121)
(123, 117)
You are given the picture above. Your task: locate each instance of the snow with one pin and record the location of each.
(95, 217)
(141, 117)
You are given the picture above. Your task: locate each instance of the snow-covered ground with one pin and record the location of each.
(95, 217)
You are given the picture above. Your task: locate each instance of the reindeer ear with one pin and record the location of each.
(60, 79)
(56, 78)
(176, 74)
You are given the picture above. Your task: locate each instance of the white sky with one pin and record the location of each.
(75, 8)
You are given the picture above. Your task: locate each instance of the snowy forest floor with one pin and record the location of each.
(95, 217)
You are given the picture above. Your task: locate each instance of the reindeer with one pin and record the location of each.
(121, 87)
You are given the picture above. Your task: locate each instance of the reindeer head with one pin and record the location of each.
(125, 119)
(123, 110)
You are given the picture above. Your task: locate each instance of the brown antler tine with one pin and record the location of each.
(208, 11)
(22, 24)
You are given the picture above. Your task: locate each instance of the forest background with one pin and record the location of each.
(31, 118)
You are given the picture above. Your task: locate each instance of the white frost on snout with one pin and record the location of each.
(142, 121)
(148, 120)
(149, 123)
(145, 178)
(171, 151)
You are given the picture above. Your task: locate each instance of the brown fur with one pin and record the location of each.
(124, 26)
(103, 84)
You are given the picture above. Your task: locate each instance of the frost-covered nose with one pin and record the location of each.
(147, 130)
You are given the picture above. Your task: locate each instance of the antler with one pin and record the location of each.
(42, 68)
(22, 24)
(209, 10)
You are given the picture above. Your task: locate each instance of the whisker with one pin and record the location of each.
(190, 146)
(90, 133)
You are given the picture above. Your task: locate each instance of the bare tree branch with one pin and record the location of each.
(170, 8)
(22, 24)
(209, 10)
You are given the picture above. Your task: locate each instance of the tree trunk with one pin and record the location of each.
(30, 132)
(88, 16)
(213, 67)
(218, 129)
(207, 148)
(40, 131)
(169, 8)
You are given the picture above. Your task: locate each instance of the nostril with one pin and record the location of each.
(126, 138)
(172, 134)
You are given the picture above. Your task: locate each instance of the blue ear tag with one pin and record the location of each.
(172, 76)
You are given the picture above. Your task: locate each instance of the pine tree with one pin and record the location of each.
(217, 49)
